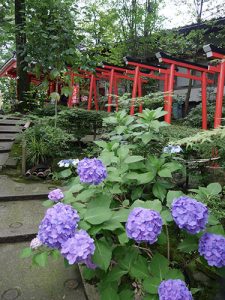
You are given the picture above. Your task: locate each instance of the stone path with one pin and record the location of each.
(21, 211)
(9, 129)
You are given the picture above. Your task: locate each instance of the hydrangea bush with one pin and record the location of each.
(125, 221)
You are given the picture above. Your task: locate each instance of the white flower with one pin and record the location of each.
(75, 162)
(172, 149)
(68, 162)
(35, 243)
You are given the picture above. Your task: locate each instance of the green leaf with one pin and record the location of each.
(109, 294)
(159, 266)
(146, 137)
(122, 237)
(66, 90)
(88, 273)
(212, 220)
(126, 295)
(76, 188)
(151, 284)
(103, 254)
(85, 195)
(55, 254)
(217, 229)
(132, 159)
(115, 274)
(175, 274)
(166, 216)
(97, 215)
(171, 195)
(145, 177)
(189, 244)
(120, 215)
(84, 225)
(214, 188)
(48, 203)
(123, 152)
(54, 73)
(154, 204)
(65, 173)
(139, 268)
(129, 259)
(26, 252)
(55, 96)
(151, 297)
(159, 190)
(41, 259)
(111, 225)
(165, 172)
(100, 200)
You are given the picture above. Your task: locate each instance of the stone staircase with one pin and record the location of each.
(10, 127)
(21, 211)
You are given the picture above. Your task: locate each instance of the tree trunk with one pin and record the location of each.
(20, 37)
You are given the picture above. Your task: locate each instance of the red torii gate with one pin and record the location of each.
(215, 52)
(173, 62)
(137, 87)
(127, 73)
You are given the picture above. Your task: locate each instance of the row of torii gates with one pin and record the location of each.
(138, 72)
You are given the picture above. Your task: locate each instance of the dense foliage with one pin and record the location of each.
(115, 211)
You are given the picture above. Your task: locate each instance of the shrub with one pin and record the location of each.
(81, 122)
(194, 118)
(45, 142)
(126, 212)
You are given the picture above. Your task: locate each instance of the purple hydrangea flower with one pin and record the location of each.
(58, 225)
(144, 225)
(212, 247)
(79, 248)
(56, 195)
(174, 290)
(189, 214)
(35, 243)
(91, 170)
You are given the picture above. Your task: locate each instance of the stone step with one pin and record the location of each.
(12, 122)
(20, 220)
(3, 159)
(23, 190)
(19, 280)
(11, 163)
(4, 137)
(10, 129)
(5, 146)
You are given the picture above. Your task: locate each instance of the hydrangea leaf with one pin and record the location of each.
(126, 294)
(41, 259)
(115, 274)
(133, 159)
(151, 285)
(26, 252)
(175, 274)
(97, 215)
(214, 188)
(139, 269)
(171, 195)
(189, 244)
(159, 266)
(103, 254)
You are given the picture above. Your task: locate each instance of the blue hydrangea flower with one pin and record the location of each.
(58, 225)
(91, 170)
(212, 248)
(189, 214)
(174, 290)
(144, 225)
(56, 195)
(68, 162)
(171, 149)
(79, 248)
